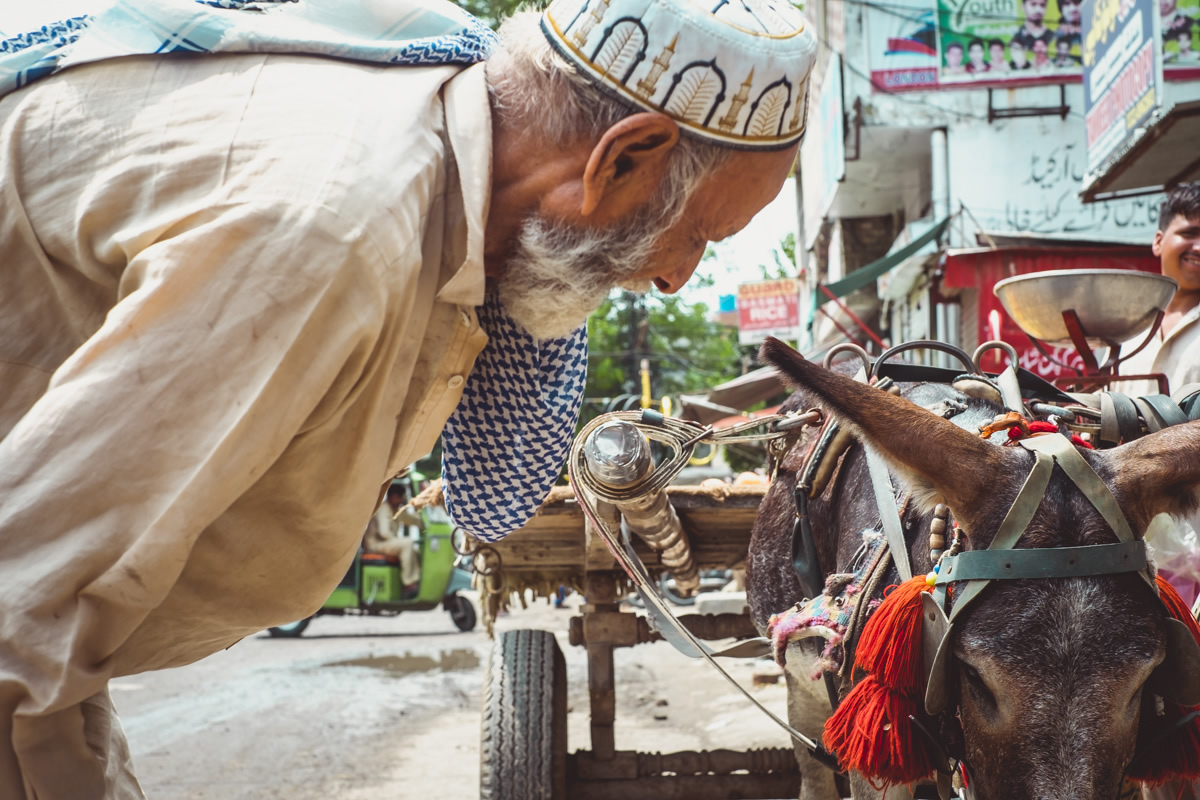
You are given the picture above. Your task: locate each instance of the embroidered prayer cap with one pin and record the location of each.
(733, 71)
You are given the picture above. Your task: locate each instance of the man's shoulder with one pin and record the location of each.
(368, 141)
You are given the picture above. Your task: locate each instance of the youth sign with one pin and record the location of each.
(1007, 40)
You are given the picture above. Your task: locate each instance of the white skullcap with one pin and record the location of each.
(733, 71)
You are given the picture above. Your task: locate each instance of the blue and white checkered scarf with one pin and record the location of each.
(506, 442)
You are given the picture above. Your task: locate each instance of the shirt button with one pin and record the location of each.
(464, 318)
(455, 381)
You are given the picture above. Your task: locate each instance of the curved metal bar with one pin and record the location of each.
(862, 354)
(994, 344)
(486, 561)
(463, 543)
(924, 344)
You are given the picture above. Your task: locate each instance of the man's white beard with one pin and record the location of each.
(560, 274)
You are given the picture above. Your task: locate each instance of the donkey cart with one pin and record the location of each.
(524, 743)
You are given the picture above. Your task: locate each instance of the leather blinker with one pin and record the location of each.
(935, 638)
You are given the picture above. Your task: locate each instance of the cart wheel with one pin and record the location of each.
(461, 611)
(524, 746)
(290, 631)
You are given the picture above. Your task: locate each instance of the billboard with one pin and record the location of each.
(769, 308)
(1007, 40)
(1179, 27)
(902, 43)
(1122, 72)
(918, 45)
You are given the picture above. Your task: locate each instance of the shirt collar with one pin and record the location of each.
(1184, 322)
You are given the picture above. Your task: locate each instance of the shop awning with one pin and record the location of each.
(871, 272)
(1162, 154)
(733, 396)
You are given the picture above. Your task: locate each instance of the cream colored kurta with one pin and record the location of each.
(1176, 355)
(237, 297)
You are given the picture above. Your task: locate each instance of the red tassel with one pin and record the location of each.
(871, 731)
(1176, 606)
(1178, 755)
(890, 646)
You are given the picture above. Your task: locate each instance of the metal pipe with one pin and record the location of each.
(939, 174)
(939, 312)
(954, 324)
(619, 456)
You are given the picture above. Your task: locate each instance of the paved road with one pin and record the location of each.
(389, 708)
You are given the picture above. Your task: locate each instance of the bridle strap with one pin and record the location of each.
(885, 499)
(1092, 560)
(1020, 513)
(1082, 474)
(1049, 562)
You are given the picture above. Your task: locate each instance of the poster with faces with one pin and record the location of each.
(1001, 40)
(1180, 33)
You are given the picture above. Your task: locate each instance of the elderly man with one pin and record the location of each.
(243, 289)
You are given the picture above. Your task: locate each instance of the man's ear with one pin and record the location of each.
(1156, 248)
(627, 163)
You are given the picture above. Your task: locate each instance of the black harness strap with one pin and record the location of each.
(805, 561)
(1165, 413)
(1118, 418)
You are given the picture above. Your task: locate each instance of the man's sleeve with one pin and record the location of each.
(234, 332)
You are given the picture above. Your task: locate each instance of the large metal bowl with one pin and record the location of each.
(1112, 304)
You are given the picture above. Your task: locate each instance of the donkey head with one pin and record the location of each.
(1049, 677)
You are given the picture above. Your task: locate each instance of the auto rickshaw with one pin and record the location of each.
(372, 586)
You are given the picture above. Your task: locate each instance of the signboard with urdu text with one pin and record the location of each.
(1026, 183)
(946, 44)
(769, 308)
(1122, 72)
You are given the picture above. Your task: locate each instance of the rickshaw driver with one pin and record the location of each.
(243, 289)
(386, 535)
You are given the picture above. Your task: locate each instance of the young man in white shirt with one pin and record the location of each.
(1175, 349)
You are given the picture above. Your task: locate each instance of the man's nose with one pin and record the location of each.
(672, 282)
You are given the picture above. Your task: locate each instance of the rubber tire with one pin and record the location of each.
(462, 613)
(292, 631)
(523, 753)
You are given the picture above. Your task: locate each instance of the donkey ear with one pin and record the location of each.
(938, 460)
(1158, 473)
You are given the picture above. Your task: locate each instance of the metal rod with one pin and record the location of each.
(864, 327)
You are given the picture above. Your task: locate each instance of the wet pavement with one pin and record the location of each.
(378, 708)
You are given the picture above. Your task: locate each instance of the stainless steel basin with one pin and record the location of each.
(1112, 304)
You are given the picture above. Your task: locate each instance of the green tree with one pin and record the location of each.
(493, 12)
(687, 351)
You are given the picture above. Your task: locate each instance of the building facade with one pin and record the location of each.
(972, 110)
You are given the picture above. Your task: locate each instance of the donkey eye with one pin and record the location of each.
(976, 685)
